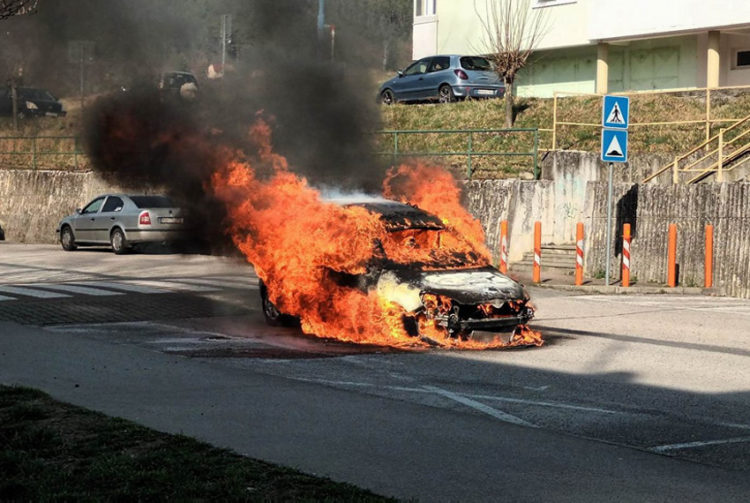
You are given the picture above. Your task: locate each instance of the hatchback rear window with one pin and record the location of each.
(475, 63)
(152, 201)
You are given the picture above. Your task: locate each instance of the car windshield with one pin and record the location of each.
(428, 250)
(476, 63)
(38, 94)
(152, 201)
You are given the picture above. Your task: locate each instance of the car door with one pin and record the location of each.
(411, 84)
(110, 215)
(87, 223)
(436, 75)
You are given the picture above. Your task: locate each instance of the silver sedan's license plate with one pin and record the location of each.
(170, 220)
(485, 92)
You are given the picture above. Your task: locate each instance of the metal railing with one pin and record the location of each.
(705, 122)
(40, 148)
(727, 149)
(470, 151)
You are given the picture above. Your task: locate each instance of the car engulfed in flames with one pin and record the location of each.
(444, 299)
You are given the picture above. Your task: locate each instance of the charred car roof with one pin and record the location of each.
(396, 216)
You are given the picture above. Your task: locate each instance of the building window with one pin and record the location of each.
(549, 3)
(425, 7)
(742, 59)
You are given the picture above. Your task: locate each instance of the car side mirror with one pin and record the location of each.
(400, 74)
(78, 211)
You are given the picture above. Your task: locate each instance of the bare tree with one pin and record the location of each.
(511, 30)
(9, 8)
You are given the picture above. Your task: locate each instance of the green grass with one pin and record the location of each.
(54, 451)
(668, 139)
(538, 113)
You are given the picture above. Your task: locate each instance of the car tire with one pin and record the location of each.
(445, 94)
(387, 98)
(271, 313)
(67, 239)
(119, 243)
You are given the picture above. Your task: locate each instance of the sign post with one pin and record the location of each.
(615, 121)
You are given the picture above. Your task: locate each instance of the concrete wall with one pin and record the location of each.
(651, 208)
(32, 202)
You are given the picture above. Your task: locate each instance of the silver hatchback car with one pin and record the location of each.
(121, 221)
(444, 78)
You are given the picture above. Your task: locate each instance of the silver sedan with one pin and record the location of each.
(121, 221)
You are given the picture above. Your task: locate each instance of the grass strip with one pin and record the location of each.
(52, 451)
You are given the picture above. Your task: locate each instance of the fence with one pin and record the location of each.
(479, 143)
(33, 152)
(704, 114)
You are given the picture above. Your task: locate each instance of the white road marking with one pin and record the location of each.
(429, 389)
(29, 292)
(217, 282)
(123, 286)
(545, 404)
(171, 285)
(691, 445)
(83, 290)
(497, 414)
(244, 280)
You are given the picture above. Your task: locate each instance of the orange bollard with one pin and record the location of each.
(709, 266)
(626, 255)
(503, 247)
(672, 257)
(537, 252)
(579, 254)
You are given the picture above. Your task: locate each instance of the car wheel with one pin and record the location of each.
(271, 313)
(386, 97)
(445, 94)
(118, 241)
(67, 240)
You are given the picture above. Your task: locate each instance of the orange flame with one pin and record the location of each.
(296, 242)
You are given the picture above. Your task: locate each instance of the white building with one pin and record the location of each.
(607, 45)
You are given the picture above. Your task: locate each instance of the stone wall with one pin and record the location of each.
(32, 202)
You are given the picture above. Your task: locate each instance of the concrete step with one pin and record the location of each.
(554, 256)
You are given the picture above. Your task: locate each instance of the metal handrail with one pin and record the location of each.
(706, 143)
(469, 152)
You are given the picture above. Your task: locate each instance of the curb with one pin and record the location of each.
(632, 290)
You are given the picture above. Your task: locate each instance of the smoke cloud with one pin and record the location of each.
(321, 112)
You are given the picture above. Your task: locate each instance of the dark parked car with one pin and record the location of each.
(32, 102)
(121, 221)
(469, 302)
(183, 85)
(445, 79)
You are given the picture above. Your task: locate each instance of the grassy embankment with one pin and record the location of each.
(537, 113)
(51, 451)
(486, 114)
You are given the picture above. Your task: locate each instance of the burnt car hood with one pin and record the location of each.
(466, 286)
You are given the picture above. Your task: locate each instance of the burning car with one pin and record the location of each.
(442, 297)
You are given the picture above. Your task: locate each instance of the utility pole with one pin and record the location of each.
(81, 52)
(321, 24)
(226, 33)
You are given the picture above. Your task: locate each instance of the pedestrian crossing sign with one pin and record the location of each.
(614, 145)
(615, 112)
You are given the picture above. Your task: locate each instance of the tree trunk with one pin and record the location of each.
(385, 54)
(509, 102)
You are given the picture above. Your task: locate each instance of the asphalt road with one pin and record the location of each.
(636, 398)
